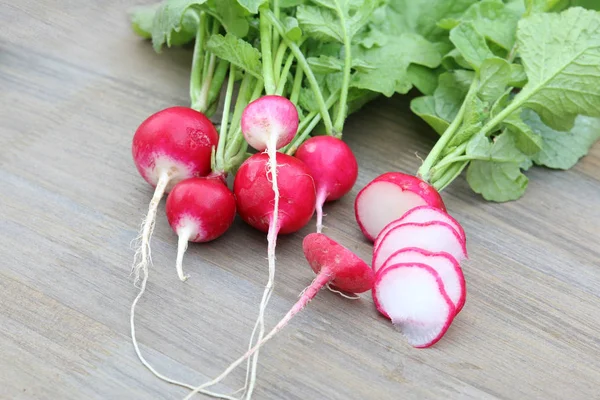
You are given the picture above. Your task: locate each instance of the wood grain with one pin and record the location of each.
(74, 85)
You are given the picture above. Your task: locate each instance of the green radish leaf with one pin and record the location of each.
(451, 92)
(501, 103)
(476, 112)
(172, 16)
(518, 77)
(492, 19)
(470, 44)
(325, 64)
(542, 6)
(525, 139)
(562, 150)
(495, 171)
(141, 19)
(251, 5)
(292, 29)
(390, 63)
(496, 181)
(424, 107)
(423, 78)
(237, 51)
(567, 45)
(494, 75)
(291, 3)
(589, 4)
(319, 23)
(454, 60)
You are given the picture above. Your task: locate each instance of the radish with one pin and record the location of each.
(257, 195)
(443, 263)
(333, 264)
(169, 146)
(388, 197)
(423, 214)
(414, 298)
(199, 210)
(333, 167)
(431, 236)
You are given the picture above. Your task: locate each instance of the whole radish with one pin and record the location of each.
(333, 264)
(199, 210)
(268, 124)
(387, 197)
(169, 146)
(333, 167)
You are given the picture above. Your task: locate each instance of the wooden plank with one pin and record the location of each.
(76, 83)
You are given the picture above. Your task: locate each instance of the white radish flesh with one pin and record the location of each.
(423, 214)
(443, 263)
(431, 236)
(413, 297)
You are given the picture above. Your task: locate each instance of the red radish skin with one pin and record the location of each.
(412, 295)
(332, 165)
(388, 197)
(270, 120)
(443, 263)
(431, 236)
(423, 214)
(199, 210)
(334, 264)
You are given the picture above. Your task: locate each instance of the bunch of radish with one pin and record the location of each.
(417, 251)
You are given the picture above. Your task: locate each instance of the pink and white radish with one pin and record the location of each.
(423, 214)
(388, 197)
(268, 124)
(199, 210)
(443, 263)
(412, 295)
(431, 236)
(333, 167)
(333, 264)
(169, 146)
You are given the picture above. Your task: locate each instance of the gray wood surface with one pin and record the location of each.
(74, 85)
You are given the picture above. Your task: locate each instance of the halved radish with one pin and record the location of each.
(388, 197)
(413, 297)
(421, 215)
(431, 236)
(443, 263)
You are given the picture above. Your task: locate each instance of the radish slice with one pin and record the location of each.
(421, 215)
(413, 297)
(388, 197)
(443, 263)
(431, 236)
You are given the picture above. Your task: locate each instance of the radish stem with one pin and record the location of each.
(267, 56)
(197, 62)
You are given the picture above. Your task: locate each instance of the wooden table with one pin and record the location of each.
(74, 85)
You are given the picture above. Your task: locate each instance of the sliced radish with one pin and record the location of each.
(443, 263)
(413, 297)
(431, 236)
(388, 197)
(421, 215)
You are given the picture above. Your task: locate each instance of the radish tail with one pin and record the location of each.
(182, 245)
(321, 196)
(142, 258)
(141, 262)
(272, 244)
(307, 295)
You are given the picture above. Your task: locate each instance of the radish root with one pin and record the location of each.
(142, 258)
(321, 196)
(142, 261)
(182, 245)
(308, 294)
(272, 244)
(344, 295)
